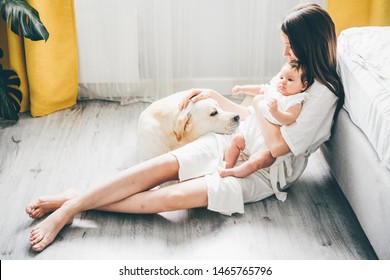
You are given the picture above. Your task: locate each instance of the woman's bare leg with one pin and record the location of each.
(184, 195)
(116, 195)
(139, 178)
(138, 175)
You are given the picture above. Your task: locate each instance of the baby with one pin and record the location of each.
(281, 105)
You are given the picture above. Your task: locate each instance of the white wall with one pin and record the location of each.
(229, 41)
(178, 44)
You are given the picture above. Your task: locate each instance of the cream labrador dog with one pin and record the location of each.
(162, 127)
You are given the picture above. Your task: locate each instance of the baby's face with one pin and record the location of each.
(290, 81)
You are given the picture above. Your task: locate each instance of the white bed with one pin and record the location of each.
(359, 149)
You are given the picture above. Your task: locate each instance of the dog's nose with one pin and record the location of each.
(236, 118)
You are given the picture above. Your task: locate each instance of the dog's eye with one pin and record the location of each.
(214, 113)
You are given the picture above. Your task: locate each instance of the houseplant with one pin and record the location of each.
(23, 20)
(10, 95)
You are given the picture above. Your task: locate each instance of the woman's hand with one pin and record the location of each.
(194, 95)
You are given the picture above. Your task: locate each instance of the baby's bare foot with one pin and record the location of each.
(48, 204)
(224, 173)
(45, 232)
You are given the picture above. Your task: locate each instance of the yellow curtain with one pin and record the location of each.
(4, 44)
(352, 13)
(48, 70)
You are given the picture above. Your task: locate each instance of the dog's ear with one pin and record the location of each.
(181, 124)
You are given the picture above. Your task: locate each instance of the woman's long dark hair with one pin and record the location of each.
(313, 40)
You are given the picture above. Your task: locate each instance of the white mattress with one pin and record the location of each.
(364, 65)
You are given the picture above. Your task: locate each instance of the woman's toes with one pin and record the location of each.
(37, 213)
(36, 239)
(34, 235)
(31, 214)
(38, 247)
(34, 231)
(29, 210)
(42, 244)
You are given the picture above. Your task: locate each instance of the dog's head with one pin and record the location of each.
(202, 117)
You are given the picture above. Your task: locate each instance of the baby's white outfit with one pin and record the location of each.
(284, 102)
(204, 156)
(250, 128)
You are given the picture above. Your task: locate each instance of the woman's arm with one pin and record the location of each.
(271, 132)
(195, 95)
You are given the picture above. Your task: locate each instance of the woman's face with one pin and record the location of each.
(287, 51)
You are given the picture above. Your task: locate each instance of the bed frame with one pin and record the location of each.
(363, 179)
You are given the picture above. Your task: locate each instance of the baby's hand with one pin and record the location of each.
(237, 90)
(273, 106)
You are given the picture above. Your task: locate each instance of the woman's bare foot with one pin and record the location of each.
(45, 232)
(48, 204)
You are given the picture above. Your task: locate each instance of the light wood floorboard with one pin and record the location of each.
(77, 147)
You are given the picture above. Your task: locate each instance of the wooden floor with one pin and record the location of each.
(77, 147)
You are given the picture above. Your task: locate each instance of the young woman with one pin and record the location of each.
(308, 35)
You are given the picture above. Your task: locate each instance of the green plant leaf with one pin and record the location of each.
(10, 95)
(19, 13)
